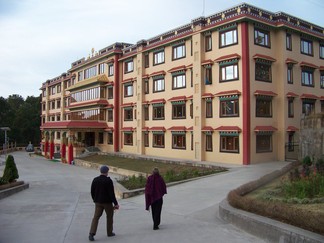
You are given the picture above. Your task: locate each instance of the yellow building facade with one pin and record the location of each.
(231, 88)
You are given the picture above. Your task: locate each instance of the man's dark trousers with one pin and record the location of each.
(100, 207)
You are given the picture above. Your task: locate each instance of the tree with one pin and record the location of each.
(10, 172)
(23, 118)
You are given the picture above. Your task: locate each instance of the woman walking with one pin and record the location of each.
(154, 191)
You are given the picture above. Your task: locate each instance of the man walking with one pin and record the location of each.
(103, 195)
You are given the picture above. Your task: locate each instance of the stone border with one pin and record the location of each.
(266, 228)
(263, 227)
(12, 190)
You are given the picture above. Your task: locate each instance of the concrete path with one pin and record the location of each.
(57, 207)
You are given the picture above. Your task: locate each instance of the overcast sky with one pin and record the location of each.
(39, 39)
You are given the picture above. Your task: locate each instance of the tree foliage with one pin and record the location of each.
(23, 118)
(10, 172)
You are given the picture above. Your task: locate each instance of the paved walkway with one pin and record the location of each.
(57, 207)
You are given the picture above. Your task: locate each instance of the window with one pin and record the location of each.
(290, 107)
(179, 111)
(128, 114)
(110, 115)
(263, 143)
(228, 38)
(291, 141)
(179, 141)
(100, 137)
(306, 47)
(288, 42)
(229, 107)
(229, 144)
(321, 50)
(146, 112)
(129, 66)
(209, 108)
(58, 135)
(158, 112)
(90, 72)
(146, 86)
(322, 105)
(88, 94)
(128, 138)
(101, 68)
(90, 115)
(146, 60)
(262, 37)
(80, 76)
(158, 57)
(128, 89)
(53, 89)
(110, 69)
(229, 72)
(146, 139)
(322, 80)
(58, 104)
(158, 85)
(58, 88)
(263, 71)
(208, 42)
(208, 75)
(110, 138)
(179, 81)
(263, 106)
(290, 79)
(209, 142)
(158, 140)
(110, 92)
(178, 52)
(308, 107)
(308, 77)
(191, 110)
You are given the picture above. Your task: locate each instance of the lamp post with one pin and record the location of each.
(5, 129)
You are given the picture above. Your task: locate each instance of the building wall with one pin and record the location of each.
(277, 129)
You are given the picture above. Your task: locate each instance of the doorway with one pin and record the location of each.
(89, 139)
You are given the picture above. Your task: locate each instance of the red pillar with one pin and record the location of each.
(116, 104)
(51, 149)
(246, 94)
(45, 148)
(63, 153)
(70, 153)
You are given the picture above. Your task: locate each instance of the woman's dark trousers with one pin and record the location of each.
(156, 213)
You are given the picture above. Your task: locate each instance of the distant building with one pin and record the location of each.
(231, 87)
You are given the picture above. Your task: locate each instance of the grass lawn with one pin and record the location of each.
(273, 191)
(170, 171)
(307, 213)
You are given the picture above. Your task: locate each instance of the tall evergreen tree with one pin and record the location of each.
(23, 118)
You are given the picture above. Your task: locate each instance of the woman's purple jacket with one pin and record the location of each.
(154, 190)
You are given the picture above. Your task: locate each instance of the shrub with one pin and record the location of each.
(320, 166)
(133, 182)
(2, 181)
(305, 188)
(294, 175)
(10, 172)
(169, 176)
(307, 161)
